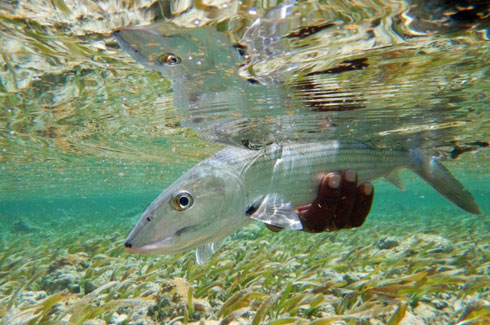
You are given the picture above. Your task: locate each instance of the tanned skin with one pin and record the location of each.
(341, 203)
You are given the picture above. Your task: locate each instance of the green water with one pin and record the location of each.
(89, 138)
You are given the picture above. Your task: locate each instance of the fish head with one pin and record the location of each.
(199, 208)
(180, 53)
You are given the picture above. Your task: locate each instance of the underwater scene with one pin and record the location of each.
(157, 157)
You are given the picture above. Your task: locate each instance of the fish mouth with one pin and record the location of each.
(151, 247)
(159, 245)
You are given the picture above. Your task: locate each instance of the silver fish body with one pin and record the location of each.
(226, 191)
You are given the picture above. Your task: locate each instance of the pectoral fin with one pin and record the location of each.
(273, 210)
(395, 179)
(203, 253)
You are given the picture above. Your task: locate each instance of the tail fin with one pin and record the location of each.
(443, 182)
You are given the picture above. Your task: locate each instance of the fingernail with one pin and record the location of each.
(368, 188)
(334, 181)
(350, 176)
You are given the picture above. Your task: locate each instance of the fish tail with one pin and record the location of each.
(443, 181)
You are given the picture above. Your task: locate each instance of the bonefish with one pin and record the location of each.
(235, 186)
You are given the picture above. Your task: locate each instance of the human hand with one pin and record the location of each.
(340, 204)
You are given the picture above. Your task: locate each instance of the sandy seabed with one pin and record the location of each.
(417, 269)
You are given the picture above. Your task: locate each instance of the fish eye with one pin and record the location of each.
(182, 201)
(170, 59)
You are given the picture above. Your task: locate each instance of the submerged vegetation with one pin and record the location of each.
(386, 272)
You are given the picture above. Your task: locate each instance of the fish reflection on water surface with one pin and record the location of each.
(235, 186)
(291, 77)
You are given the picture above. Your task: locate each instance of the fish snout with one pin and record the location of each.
(128, 247)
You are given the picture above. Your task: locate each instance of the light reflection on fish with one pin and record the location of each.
(228, 190)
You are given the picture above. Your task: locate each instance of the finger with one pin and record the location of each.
(348, 196)
(364, 201)
(303, 208)
(319, 216)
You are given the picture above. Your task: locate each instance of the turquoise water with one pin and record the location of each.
(89, 137)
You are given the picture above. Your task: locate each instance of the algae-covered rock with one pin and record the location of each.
(174, 300)
(441, 248)
(64, 273)
(440, 304)
(79, 260)
(65, 278)
(88, 286)
(89, 283)
(29, 298)
(21, 226)
(387, 243)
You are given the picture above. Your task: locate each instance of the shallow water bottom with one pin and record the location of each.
(432, 266)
